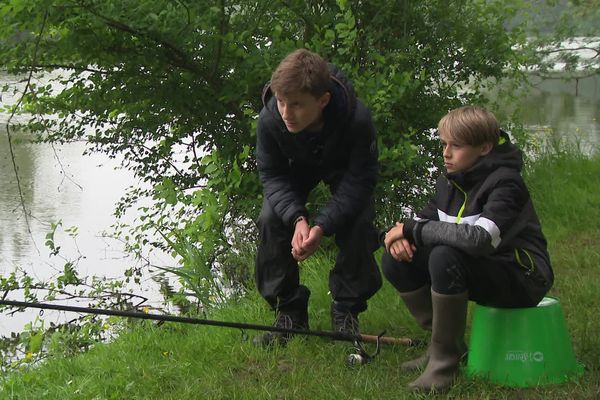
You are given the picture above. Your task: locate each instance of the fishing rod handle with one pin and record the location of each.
(402, 341)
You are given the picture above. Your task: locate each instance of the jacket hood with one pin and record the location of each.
(340, 107)
(504, 154)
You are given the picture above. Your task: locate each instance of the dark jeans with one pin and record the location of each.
(495, 281)
(354, 278)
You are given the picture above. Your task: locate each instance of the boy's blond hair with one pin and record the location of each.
(470, 125)
(301, 71)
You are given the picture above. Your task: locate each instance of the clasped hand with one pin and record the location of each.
(397, 245)
(306, 240)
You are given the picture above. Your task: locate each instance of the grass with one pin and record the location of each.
(176, 361)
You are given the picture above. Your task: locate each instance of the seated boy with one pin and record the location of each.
(478, 239)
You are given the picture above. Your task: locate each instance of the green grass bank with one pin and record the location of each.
(176, 361)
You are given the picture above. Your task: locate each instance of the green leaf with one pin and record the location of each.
(35, 342)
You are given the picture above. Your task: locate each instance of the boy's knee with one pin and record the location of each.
(446, 269)
(405, 277)
(443, 255)
(396, 271)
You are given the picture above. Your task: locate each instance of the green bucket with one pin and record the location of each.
(522, 347)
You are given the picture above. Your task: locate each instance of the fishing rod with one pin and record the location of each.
(360, 357)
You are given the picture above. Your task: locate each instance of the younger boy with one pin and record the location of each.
(478, 239)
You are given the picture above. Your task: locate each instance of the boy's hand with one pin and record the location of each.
(397, 245)
(301, 233)
(396, 233)
(402, 250)
(310, 244)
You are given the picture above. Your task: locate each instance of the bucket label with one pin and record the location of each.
(524, 356)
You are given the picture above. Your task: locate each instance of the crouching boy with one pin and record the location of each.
(478, 239)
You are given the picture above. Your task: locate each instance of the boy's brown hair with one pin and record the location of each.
(470, 125)
(301, 71)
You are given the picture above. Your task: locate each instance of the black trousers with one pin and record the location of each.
(495, 281)
(354, 278)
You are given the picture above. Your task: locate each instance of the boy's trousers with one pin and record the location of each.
(354, 278)
(496, 280)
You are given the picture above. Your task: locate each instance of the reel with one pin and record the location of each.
(359, 356)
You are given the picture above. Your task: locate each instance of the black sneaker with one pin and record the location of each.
(344, 322)
(285, 320)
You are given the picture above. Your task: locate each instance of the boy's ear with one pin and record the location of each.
(486, 148)
(324, 100)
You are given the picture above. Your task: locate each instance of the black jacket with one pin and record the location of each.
(486, 211)
(343, 155)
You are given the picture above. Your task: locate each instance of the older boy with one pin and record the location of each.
(313, 128)
(479, 238)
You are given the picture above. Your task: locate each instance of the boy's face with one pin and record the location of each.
(302, 110)
(459, 157)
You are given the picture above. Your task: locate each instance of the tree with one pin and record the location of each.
(565, 39)
(174, 88)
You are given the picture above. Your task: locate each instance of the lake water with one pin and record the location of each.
(551, 108)
(60, 184)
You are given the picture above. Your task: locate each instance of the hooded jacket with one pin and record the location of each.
(486, 211)
(343, 154)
